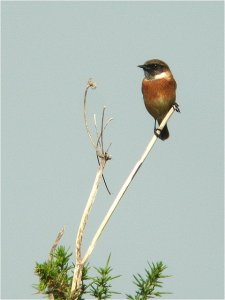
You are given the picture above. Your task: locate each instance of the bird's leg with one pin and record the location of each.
(155, 125)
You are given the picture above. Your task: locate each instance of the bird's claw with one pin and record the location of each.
(176, 107)
(157, 132)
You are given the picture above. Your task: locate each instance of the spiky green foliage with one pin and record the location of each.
(100, 286)
(55, 276)
(148, 284)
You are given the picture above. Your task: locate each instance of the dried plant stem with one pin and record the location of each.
(55, 244)
(92, 85)
(125, 187)
(79, 265)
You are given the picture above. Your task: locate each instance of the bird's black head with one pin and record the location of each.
(154, 67)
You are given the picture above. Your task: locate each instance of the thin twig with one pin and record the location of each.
(108, 147)
(103, 177)
(102, 128)
(125, 187)
(107, 123)
(96, 129)
(92, 85)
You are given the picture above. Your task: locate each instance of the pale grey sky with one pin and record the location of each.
(173, 210)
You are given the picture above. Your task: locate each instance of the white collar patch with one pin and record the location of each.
(161, 75)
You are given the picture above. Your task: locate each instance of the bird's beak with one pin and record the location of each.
(141, 66)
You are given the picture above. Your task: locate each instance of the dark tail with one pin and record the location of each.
(164, 134)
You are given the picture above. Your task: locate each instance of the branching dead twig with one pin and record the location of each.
(102, 157)
(99, 148)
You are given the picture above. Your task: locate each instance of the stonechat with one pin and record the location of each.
(159, 91)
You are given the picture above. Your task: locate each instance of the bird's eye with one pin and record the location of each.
(155, 66)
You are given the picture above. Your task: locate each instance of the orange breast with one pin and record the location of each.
(159, 96)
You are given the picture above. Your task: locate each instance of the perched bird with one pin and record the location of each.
(159, 91)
